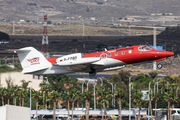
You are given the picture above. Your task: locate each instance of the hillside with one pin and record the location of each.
(101, 9)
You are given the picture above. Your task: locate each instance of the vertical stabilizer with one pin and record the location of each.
(32, 60)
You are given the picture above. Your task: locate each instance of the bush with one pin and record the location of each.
(5, 68)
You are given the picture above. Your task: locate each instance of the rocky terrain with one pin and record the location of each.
(101, 9)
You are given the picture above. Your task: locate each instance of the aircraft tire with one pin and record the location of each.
(159, 65)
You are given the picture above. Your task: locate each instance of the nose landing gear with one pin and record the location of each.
(159, 65)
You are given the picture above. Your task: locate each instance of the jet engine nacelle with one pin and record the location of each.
(68, 58)
(75, 59)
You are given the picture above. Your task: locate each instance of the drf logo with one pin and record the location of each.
(33, 60)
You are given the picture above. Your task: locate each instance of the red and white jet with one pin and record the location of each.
(33, 62)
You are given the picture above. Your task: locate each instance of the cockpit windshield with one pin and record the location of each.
(144, 48)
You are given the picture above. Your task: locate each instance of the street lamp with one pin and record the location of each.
(101, 81)
(173, 46)
(130, 101)
(102, 85)
(130, 97)
(82, 93)
(30, 102)
(87, 84)
(114, 94)
(94, 96)
(149, 99)
(83, 25)
(112, 91)
(155, 87)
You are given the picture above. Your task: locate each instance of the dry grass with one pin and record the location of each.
(75, 30)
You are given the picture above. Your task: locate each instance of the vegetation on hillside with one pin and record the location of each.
(10, 68)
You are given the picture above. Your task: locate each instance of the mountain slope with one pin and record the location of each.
(24, 9)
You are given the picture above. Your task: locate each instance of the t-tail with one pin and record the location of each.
(32, 60)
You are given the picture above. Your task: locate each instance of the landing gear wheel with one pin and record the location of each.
(159, 65)
(92, 73)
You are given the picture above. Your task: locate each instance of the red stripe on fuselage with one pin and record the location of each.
(51, 60)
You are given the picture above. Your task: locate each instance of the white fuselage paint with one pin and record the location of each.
(108, 62)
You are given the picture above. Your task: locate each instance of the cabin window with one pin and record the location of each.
(130, 51)
(122, 52)
(102, 55)
(109, 55)
(116, 53)
(178, 111)
(144, 48)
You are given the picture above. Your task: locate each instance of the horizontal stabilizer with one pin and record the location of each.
(33, 69)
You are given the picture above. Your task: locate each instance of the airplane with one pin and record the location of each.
(34, 62)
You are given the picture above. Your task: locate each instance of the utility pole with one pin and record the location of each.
(37, 20)
(13, 58)
(113, 20)
(83, 26)
(45, 38)
(129, 30)
(154, 44)
(13, 27)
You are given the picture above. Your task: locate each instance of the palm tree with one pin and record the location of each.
(87, 95)
(42, 84)
(105, 95)
(15, 92)
(9, 93)
(47, 88)
(9, 82)
(120, 93)
(167, 97)
(163, 83)
(23, 94)
(156, 97)
(78, 98)
(36, 95)
(68, 85)
(134, 100)
(173, 87)
(55, 95)
(139, 101)
(20, 96)
(2, 94)
(68, 97)
(74, 92)
(25, 84)
(151, 95)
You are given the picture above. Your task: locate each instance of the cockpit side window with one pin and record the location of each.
(144, 48)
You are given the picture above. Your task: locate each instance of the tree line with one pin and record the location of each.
(61, 91)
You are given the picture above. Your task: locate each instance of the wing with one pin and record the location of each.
(75, 61)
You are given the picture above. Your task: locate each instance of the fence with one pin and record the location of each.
(123, 118)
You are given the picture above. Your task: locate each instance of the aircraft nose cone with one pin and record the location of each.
(164, 54)
(170, 53)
